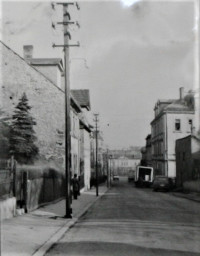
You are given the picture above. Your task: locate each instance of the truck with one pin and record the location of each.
(144, 176)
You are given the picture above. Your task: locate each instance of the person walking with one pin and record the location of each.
(76, 186)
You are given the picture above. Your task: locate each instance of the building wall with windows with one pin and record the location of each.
(173, 120)
(123, 165)
(75, 138)
(165, 131)
(87, 160)
(158, 140)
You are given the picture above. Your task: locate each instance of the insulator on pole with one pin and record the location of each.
(53, 5)
(77, 6)
(53, 25)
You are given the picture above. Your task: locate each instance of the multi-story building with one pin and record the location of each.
(173, 120)
(147, 152)
(123, 161)
(84, 149)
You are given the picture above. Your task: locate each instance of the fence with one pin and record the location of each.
(36, 186)
(7, 174)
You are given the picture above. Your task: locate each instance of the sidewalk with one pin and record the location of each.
(190, 196)
(34, 233)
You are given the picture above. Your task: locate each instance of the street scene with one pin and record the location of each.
(131, 221)
(99, 128)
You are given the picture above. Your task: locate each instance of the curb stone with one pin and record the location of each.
(61, 231)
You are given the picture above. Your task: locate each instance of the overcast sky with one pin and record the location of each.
(130, 56)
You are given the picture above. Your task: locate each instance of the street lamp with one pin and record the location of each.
(110, 157)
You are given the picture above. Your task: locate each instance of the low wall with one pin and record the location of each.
(193, 186)
(8, 208)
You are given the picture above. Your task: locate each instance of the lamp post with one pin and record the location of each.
(110, 169)
(107, 157)
(96, 137)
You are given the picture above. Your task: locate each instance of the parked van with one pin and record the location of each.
(144, 176)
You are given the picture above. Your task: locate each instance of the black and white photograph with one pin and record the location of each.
(99, 128)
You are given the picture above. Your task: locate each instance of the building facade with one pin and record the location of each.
(125, 160)
(41, 80)
(45, 98)
(83, 98)
(147, 152)
(173, 120)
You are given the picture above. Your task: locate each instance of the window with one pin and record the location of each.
(177, 124)
(190, 125)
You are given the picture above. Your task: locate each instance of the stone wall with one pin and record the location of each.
(45, 98)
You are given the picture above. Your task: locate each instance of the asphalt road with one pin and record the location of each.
(129, 221)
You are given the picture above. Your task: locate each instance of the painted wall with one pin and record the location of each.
(75, 140)
(173, 135)
(87, 161)
(164, 136)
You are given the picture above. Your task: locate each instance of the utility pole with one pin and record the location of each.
(107, 156)
(66, 22)
(96, 136)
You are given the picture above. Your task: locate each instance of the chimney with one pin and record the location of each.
(28, 52)
(181, 93)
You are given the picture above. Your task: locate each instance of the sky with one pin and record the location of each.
(130, 55)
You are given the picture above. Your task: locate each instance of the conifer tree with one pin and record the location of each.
(22, 136)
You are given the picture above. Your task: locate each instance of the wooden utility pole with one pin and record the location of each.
(66, 22)
(96, 136)
(107, 165)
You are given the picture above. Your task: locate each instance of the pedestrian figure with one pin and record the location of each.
(76, 187)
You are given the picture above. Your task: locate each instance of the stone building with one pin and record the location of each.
(173, 120)
(45, 98)
(42, 81)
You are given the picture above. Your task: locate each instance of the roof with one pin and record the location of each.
(166, 100)
(83, 97)
(148, 136)
(32, 66)
(84, 123)
(74, 104)
(47, 62)
(177, 106)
